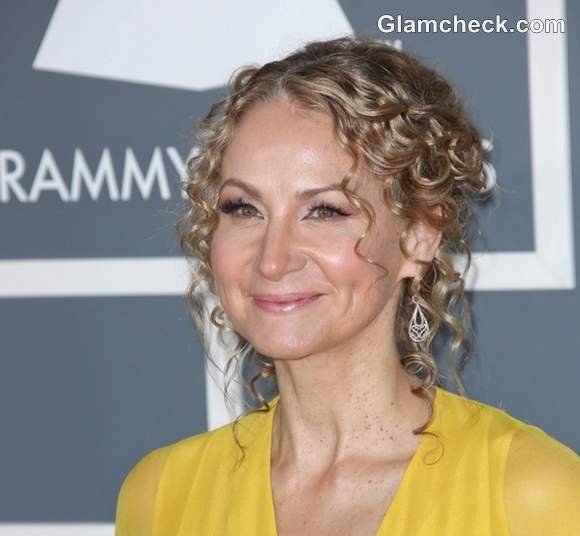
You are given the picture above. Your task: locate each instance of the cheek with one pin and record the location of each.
(349, 269)
(225, 261)
(343, 266)
(383, 244)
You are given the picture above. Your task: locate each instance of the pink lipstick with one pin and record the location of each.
(285, 303)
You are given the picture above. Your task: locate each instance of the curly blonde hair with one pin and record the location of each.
(406, 124)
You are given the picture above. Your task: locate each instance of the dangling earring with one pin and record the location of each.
(418, 326)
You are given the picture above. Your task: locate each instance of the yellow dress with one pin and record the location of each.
(498, 476)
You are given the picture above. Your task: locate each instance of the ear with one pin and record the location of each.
(422, 242)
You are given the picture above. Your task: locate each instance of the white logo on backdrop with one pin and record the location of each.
(134, 179)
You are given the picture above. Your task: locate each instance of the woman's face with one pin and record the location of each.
(275, 238)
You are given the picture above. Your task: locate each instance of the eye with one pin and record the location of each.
(238, 209)
(327, 211)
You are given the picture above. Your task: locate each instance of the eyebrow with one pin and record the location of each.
(305, 194)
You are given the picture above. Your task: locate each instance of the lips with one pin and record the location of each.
(285, 303)
(285, 298)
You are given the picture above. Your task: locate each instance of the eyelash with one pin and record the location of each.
(231, 207)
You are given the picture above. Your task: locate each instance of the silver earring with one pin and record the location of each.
(418, 326)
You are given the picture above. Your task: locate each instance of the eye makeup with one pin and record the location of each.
(234, 207)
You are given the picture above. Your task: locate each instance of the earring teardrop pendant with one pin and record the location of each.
(418, 326)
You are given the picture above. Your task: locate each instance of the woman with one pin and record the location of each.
(330, 192)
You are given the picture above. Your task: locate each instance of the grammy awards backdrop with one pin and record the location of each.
(99, 360)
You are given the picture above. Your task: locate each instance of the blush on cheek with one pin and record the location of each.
(342, 255)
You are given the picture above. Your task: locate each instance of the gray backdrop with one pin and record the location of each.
(97, 370)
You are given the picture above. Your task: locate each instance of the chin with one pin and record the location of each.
(277, 349)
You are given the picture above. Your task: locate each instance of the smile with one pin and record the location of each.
(287, 306)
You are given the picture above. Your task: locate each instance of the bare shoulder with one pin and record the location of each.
(542, 485)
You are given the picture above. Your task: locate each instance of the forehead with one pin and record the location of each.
(277, 134)
(280, 118)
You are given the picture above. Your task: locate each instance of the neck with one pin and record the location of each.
(336, 407)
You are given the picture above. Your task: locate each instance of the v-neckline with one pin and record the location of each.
(390, 514)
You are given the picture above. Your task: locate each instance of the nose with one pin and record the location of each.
(278, 253)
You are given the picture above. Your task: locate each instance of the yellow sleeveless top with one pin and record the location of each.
(495, 475)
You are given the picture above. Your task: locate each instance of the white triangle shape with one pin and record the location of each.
(176, 43)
